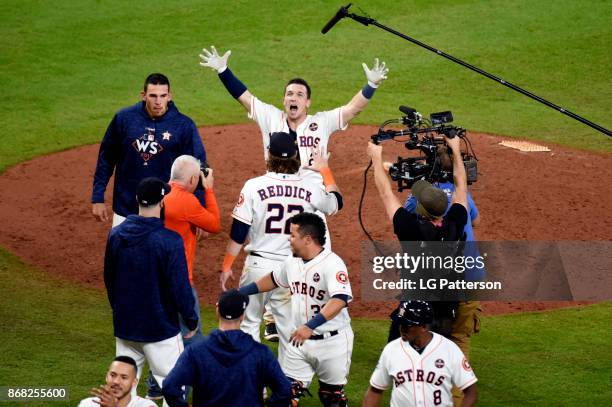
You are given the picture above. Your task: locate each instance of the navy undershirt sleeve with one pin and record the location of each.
(233, 85)
(239, 231)
(339, 199)
(343, 297)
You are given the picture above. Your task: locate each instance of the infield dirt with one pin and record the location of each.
(45, 209)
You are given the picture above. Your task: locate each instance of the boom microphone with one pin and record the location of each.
(342, 12)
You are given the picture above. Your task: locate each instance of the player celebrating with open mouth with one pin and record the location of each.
(309, 131)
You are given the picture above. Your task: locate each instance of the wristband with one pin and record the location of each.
(232, 84)
(328, 178)
(249, 289)
(316, 322)
(368, 91)
(228, 260)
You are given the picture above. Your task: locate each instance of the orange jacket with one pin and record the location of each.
(184, 214)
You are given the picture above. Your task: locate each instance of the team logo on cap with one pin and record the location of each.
(439, 363)
(316, 277)
(342, 277)
(313, 127)
(466, 365)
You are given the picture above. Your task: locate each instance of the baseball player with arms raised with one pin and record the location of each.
(320, 293)
(309, 131)
(262, 214)
(421, 365)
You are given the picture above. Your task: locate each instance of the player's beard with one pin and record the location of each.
(120, 393)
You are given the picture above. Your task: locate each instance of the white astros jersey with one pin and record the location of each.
(312, 284)
(312, 132)
(422, 379)
(267, 203)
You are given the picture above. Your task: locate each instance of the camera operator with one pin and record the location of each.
(432, 224)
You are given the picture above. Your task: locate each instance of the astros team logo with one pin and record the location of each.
(313, 127)
(166, 135)
(146, 145)
(240, 199)
(439, 363)
(466, 364)
(316, 277)
(342, 277)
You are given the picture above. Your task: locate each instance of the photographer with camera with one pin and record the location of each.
(185, 214)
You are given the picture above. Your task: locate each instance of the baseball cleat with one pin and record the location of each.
(154, 395)
(270, 333)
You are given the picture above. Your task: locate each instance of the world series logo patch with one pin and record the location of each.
(439, 363)
(147, 146)
(313, 127)
(316, 277)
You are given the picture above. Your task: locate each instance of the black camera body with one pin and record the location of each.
(204, 168)
(435, 162)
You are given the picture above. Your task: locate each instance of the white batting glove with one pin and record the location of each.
(212, 60)
(377, 74)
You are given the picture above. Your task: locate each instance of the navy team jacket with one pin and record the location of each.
(228, 368)
(145, 273)
(139, 147)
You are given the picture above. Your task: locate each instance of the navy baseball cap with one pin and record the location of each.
(430, 199)
(413, 313)
(282, 145)
(232, 304)
(151, 191)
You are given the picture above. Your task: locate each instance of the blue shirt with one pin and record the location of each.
(135, 147)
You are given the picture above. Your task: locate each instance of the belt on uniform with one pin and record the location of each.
(324, 336)
(256, 254)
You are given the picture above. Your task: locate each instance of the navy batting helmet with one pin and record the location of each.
(414, 313)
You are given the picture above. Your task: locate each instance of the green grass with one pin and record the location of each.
(67, 66)
(56, 333)
(556, 358)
